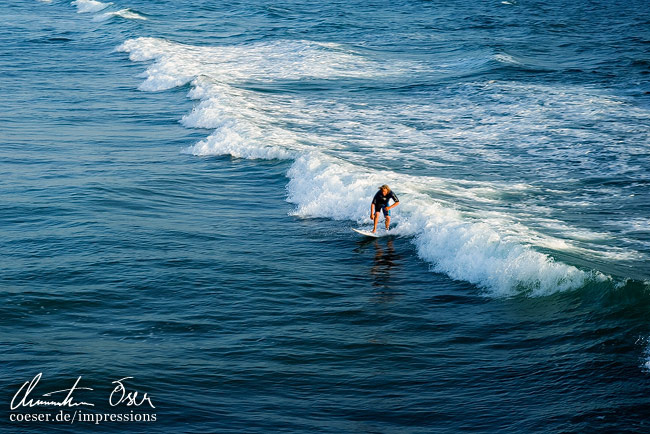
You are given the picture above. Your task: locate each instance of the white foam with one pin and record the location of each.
(89, 6)
(633, 225)
(177, 64)
(127, 14)
(239, 141)
(240, 128)
(335, 141)
(506, 58)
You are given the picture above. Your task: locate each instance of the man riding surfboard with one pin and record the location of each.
(380, 204)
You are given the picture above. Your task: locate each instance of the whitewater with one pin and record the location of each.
(491, 248)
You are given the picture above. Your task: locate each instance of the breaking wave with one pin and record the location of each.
(326, 180)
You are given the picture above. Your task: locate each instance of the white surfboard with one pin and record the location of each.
(367, 233)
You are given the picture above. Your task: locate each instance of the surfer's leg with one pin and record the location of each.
(374, 228)
(386, 217)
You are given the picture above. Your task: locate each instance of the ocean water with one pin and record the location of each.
(180, 180)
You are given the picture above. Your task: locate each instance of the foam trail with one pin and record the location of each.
(89, 6)
(246, 124)
(127, 14)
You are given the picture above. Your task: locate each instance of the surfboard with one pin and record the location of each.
(367, 233)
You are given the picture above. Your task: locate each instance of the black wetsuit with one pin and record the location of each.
(381, 202)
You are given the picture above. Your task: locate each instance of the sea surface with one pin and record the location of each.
(179, 181)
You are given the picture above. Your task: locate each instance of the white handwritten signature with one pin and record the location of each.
(128, 398)
(119, 395)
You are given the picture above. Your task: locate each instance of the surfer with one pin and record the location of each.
(380, 204)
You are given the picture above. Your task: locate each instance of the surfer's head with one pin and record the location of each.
(384, 189)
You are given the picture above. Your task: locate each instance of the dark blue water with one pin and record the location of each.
(212, 259)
